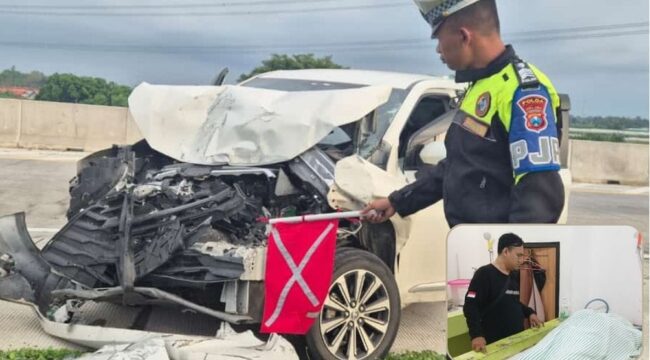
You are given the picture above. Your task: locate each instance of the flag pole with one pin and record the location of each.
(317, 217)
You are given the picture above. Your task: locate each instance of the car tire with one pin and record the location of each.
(371, 314)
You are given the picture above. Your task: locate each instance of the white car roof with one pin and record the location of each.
(362, 77)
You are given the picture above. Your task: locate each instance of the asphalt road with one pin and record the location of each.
(596, 208)
(37, 183)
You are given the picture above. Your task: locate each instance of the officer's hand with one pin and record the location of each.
(534, 321)
(478, 344)
(383, 210)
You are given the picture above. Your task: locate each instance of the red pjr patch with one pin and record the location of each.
(534, 108)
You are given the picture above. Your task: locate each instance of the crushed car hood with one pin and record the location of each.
(244, 126)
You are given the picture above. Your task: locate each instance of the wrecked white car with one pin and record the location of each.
(173, 219)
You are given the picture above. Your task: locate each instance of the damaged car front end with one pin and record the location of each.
(176, 219)
(144, 228)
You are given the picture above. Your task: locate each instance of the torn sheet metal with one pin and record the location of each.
(26, 275)
(363, 181)
(253, 257)
(244, 126)
(150, 349)
(237, 346)
(358, 182)
(229, 345)
(226, 345)
(155, 294)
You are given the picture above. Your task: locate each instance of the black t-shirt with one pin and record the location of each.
(490, 314)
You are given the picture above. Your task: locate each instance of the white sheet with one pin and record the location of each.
(588, 335)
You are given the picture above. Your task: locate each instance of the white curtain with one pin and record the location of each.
(535, 302)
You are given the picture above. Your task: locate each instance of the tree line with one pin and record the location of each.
(12, 77)
(98, 91)
(83, 90)
(66, 88)
(609, 122)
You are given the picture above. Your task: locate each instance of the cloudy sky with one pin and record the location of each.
(594, 50)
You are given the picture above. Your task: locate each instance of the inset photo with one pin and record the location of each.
(544, 292)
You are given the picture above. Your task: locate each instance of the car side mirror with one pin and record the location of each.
(433, 152)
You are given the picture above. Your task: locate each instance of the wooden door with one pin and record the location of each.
(546, 256)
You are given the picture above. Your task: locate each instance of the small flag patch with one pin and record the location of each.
(471, 294)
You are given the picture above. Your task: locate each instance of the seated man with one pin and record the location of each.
(492, 307)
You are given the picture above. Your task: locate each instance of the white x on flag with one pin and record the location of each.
(296, 272)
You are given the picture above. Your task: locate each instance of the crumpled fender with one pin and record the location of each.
(25, 276)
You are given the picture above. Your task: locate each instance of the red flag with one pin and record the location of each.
(299, 266)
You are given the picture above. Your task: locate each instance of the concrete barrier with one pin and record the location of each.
(608, 162)
(132, 132)
(63, 126)
(9, 122)
(104, 125)
(49, 125)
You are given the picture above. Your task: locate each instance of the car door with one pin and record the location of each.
(420, 239)
(421, 262)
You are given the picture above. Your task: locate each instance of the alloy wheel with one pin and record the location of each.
(355, 315)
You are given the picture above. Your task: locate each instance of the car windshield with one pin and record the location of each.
(342, 138)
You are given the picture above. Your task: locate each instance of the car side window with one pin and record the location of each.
(427, 110)
(432, 132)
(338, 136)
(339, 143)
(372, 147)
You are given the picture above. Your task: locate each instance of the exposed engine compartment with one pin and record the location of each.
(145, 228)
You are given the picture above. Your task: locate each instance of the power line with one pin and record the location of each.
(584, 28)
(523, 35)
(584, 36)
(202, 13)
(407, 46)
(391, 45)
(166, 6)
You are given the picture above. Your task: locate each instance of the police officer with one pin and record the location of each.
(492, 307)
(502, 147)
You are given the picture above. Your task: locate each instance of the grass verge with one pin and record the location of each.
(39, 354)
(63, 354)
(413, 355)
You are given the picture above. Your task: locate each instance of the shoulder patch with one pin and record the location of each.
(534, 110)
(525, 74)
(471, 294)
(483, 104)
(534, 145)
